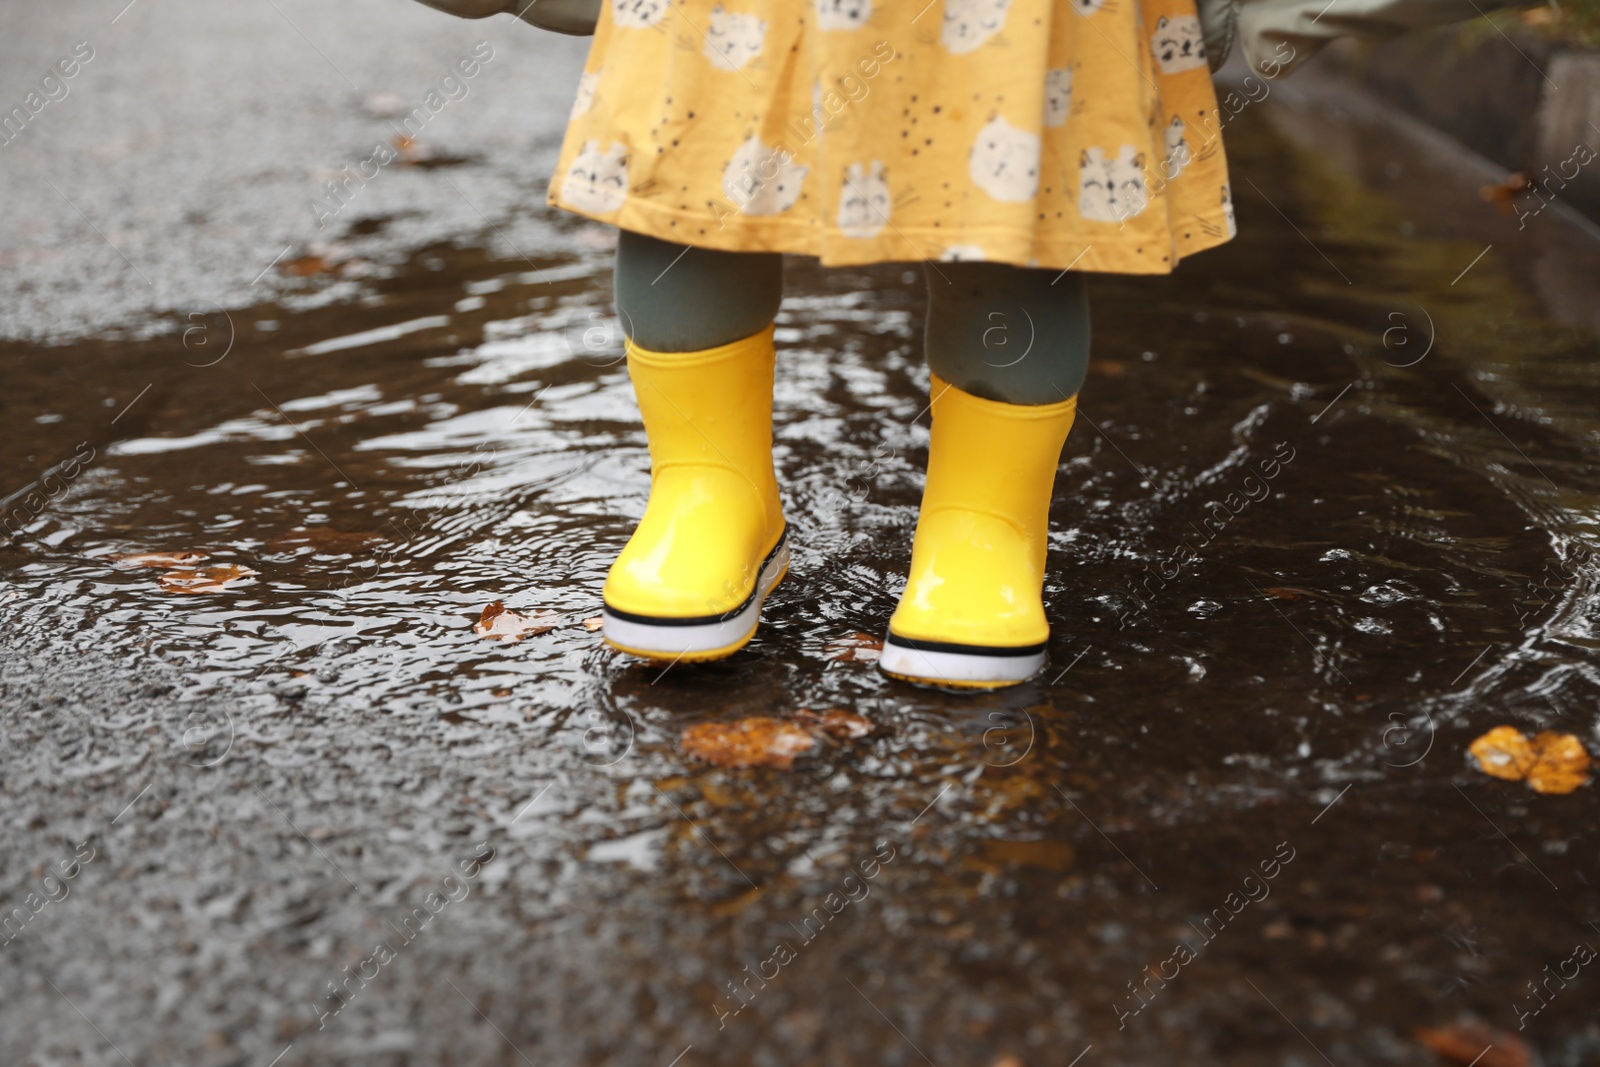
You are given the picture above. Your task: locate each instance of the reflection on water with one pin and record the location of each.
(1327, 510)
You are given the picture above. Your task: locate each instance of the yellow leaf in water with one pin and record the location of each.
(1475, 1044)
(1549, 763)
(204, 580)
(756, 742)
(157, 559)
(500, 623)
(1503, 194)
(305, 266)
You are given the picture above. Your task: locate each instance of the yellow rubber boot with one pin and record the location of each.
(972, 613)
(690, 582)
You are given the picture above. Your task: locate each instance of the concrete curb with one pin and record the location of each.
(1529, 103)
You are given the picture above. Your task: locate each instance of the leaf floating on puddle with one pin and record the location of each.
(756, 742)
(205, 579)
(305, 266)
(500, 623)
(1474, 1043)
(1549, 763)
(845, 725)
(857, 648)
(157, 559)
(594, 623)
(1503, 194)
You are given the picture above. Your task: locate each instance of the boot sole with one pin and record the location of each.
(698, 639)
(962, 666)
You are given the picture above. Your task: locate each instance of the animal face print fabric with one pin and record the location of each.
(1062, 134)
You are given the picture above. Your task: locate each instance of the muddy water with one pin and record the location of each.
(1327, 516)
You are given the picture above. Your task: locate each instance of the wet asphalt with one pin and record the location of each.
(311, 819)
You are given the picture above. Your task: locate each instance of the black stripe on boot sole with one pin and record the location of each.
(964, 650)
(706, 620)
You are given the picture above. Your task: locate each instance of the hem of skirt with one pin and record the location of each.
(745, 233)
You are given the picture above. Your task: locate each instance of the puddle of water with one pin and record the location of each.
(463, 431)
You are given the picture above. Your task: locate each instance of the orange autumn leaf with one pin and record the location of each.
(755, 742)
(1501, 194)
(1549, 763)
(305, 266)
(1474, 1043)
(594, 622)
(856, 648)
(500, 623)
(204, 579)
(157, 559)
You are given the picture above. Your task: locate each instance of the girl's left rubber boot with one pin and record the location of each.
(972, 613)
(690, 583)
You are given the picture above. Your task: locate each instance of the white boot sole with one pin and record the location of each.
(709, 637)
(936, 663)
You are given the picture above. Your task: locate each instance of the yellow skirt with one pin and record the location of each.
(1064, 134)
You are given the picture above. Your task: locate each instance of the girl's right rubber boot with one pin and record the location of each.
(972, 614)
(690, 583)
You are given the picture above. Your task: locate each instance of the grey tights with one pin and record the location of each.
(1004, 333)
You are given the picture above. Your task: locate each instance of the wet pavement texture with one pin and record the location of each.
(187, 150)
(317, 776)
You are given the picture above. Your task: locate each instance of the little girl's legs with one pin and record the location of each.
(1006, 333)
(673, 298)
(1009, 349)
(690, 583)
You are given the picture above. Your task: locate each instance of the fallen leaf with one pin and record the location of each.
(1539, 16)
(1549, 763)
(845, 725)
(1287, 592)
(1007, 1060)
(205, 579)
(305, 266)
(594, 623)
(415, 155)
(1466, 1042)
(324, 540)
(1501, 194)
(500, 623)
(158, 559)
(1109, 368)
(857, 648)
(755, 742)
